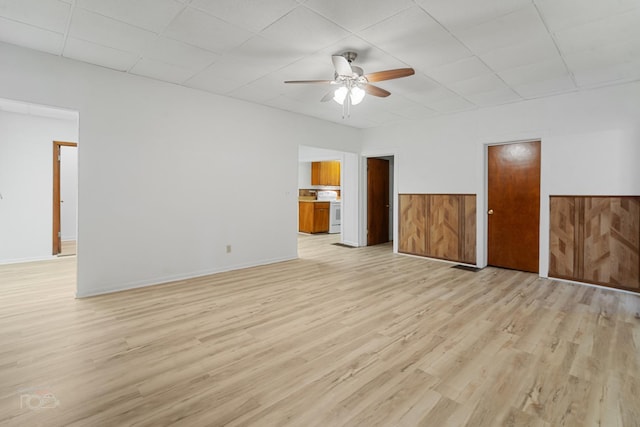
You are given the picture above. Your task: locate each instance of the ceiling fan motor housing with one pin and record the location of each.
(350, 56)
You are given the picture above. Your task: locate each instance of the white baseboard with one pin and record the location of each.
(173, 278)
(29, 259)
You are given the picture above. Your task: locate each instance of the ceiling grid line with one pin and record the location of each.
(555, 42)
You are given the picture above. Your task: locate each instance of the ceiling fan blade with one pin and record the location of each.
(328, 97)
(376, 91)
(390, 74)
(310, 81)
(341, 65)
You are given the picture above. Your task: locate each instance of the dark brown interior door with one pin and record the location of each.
(514, 206)
(55, 235)
(377, 201)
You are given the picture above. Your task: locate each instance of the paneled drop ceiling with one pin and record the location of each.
(467, 54)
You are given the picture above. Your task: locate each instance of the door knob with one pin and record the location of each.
(490, 212)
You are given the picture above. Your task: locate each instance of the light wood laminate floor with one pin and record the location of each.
(339, 337)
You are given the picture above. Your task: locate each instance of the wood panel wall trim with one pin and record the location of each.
(596, 239)
(441, 226)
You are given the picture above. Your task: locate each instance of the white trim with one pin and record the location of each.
(176, 277)
(23, 260)
(446, 261)
(592, 285)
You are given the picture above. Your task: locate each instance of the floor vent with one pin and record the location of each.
(343, 245)
(467, 268)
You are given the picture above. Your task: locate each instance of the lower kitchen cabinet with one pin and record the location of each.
(313, 217)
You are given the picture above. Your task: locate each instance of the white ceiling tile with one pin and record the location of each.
(603, 32)
(511, 29)
(415, 38)
(608, 64)
(356, 15)
(478, 84)
(442, 52)
(450, 104)
(304, 31)
(99, 55)
(498, 96)
(515, 55)
(264, 55)
(48, 14)
(562, 14)
(459, 70)
(250, 62)
(252, 15)
(309, 68)
(407, 108)
(175, 52)
(152, 15)
(426, 96)
(546, 87)
(233, 70)
(31, 37)
(221, 77)
(162, 71)
(456, 14)
(539, 71)
(205, 31)
(108, 32)
(256, 91)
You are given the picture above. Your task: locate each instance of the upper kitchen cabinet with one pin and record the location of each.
(325, 173)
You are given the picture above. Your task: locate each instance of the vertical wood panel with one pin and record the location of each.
(443, 226)
(596, 239)
(625, 241)
(469, 235)
(439, 226)
(412, 224)
(562, 224)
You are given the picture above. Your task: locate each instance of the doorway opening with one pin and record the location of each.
(380, 209)
(513, 202)
(65, 183)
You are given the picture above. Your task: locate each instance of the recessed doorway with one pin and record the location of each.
(65, 180)
(379, 200)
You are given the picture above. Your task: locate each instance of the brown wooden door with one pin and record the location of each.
(56, 229)
(514, 206)
(377, 201)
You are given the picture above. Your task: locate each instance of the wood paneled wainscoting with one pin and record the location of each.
(438, 226)
(596, 239)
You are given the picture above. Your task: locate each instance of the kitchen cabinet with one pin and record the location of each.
(325, 173)
(313, 217)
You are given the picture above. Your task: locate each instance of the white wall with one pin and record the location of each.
(590, 145)
(26, 182)
(304, 175)
(68, 192)
(168, 175)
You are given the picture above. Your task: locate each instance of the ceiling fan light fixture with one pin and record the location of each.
(340, 95)
(357, 95)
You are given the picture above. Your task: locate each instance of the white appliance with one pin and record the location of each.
(335, 207)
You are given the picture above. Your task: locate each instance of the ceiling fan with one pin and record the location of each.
(352, 83)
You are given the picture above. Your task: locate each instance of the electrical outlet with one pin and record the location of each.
(228, 249)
